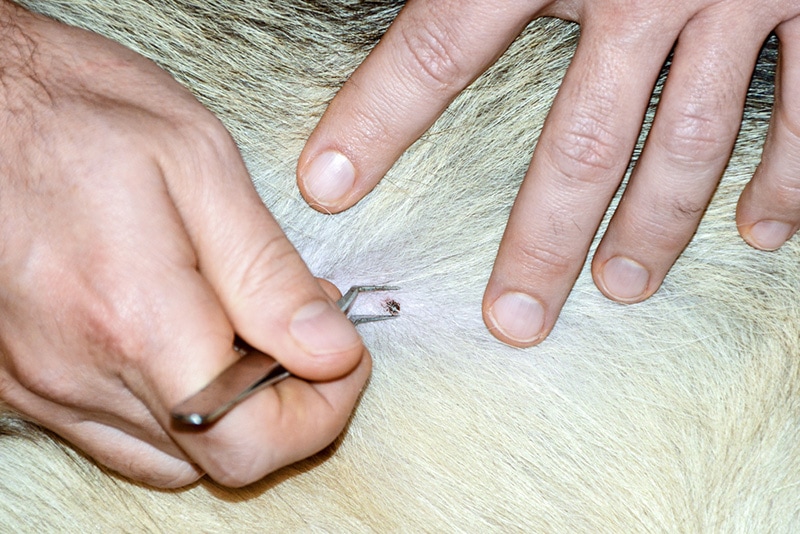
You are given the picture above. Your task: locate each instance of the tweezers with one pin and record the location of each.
(256, 370)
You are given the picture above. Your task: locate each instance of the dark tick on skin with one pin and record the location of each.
(392, 306)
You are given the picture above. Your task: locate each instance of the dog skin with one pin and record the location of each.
(678, 413)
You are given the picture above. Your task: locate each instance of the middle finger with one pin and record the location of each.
(578, 163)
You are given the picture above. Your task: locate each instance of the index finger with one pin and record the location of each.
(432, 51)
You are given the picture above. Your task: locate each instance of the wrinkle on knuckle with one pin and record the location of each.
(110, 332)
(206, 141)
(545, 262)
(662, 240)
(662, 231)
(272, 261)
(212, 135)
(235, 466)
(215, 140)
(433, 57)
(694, 137)
(785, 196)
(181, 480)
(586, 151)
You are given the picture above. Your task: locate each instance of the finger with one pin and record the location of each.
(683, 159)
(131, 457)
(275, 427)
(768, 212)
(157, 462)
(266, 290)
(580, 158)
(432, 51)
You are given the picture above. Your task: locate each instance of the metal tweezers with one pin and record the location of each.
(256, 370)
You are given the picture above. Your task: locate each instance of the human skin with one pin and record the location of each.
(435, 48)
(133, 247)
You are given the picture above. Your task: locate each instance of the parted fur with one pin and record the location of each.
(680, 414)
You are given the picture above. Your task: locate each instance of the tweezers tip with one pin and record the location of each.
(367, 288)
(361, 319)
(191, 419)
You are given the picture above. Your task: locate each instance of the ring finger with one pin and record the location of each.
(685, 154)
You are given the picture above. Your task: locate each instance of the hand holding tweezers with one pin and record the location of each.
(255, 370)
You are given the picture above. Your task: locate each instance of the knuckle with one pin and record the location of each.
(663, 240)
(210, 136)
(788, 188)
(694, 137)
(434, 59)
(378, 126)
(785, 195)
(586, 151)
(204, 134)
(134, 459)
(546, 263)
(118, 322)
(237, 478)
(94, 321)
(113, 332)
(110, 328)
(686, 209)
(234, 467)
(668, 232)
(265, 267)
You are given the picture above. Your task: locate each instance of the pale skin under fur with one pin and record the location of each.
(677, 414)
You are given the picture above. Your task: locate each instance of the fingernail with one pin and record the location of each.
(517, 316)
(320, 328)
(329, 177)
(625, 279)
(770, 235)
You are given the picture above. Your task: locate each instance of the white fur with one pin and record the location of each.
(678, 414)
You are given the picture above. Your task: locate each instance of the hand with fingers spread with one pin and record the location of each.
(435, 48)
(133, 247)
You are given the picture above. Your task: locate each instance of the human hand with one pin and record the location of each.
(133, 247)
(434, 49)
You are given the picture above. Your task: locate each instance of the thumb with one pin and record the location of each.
(265, 288)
